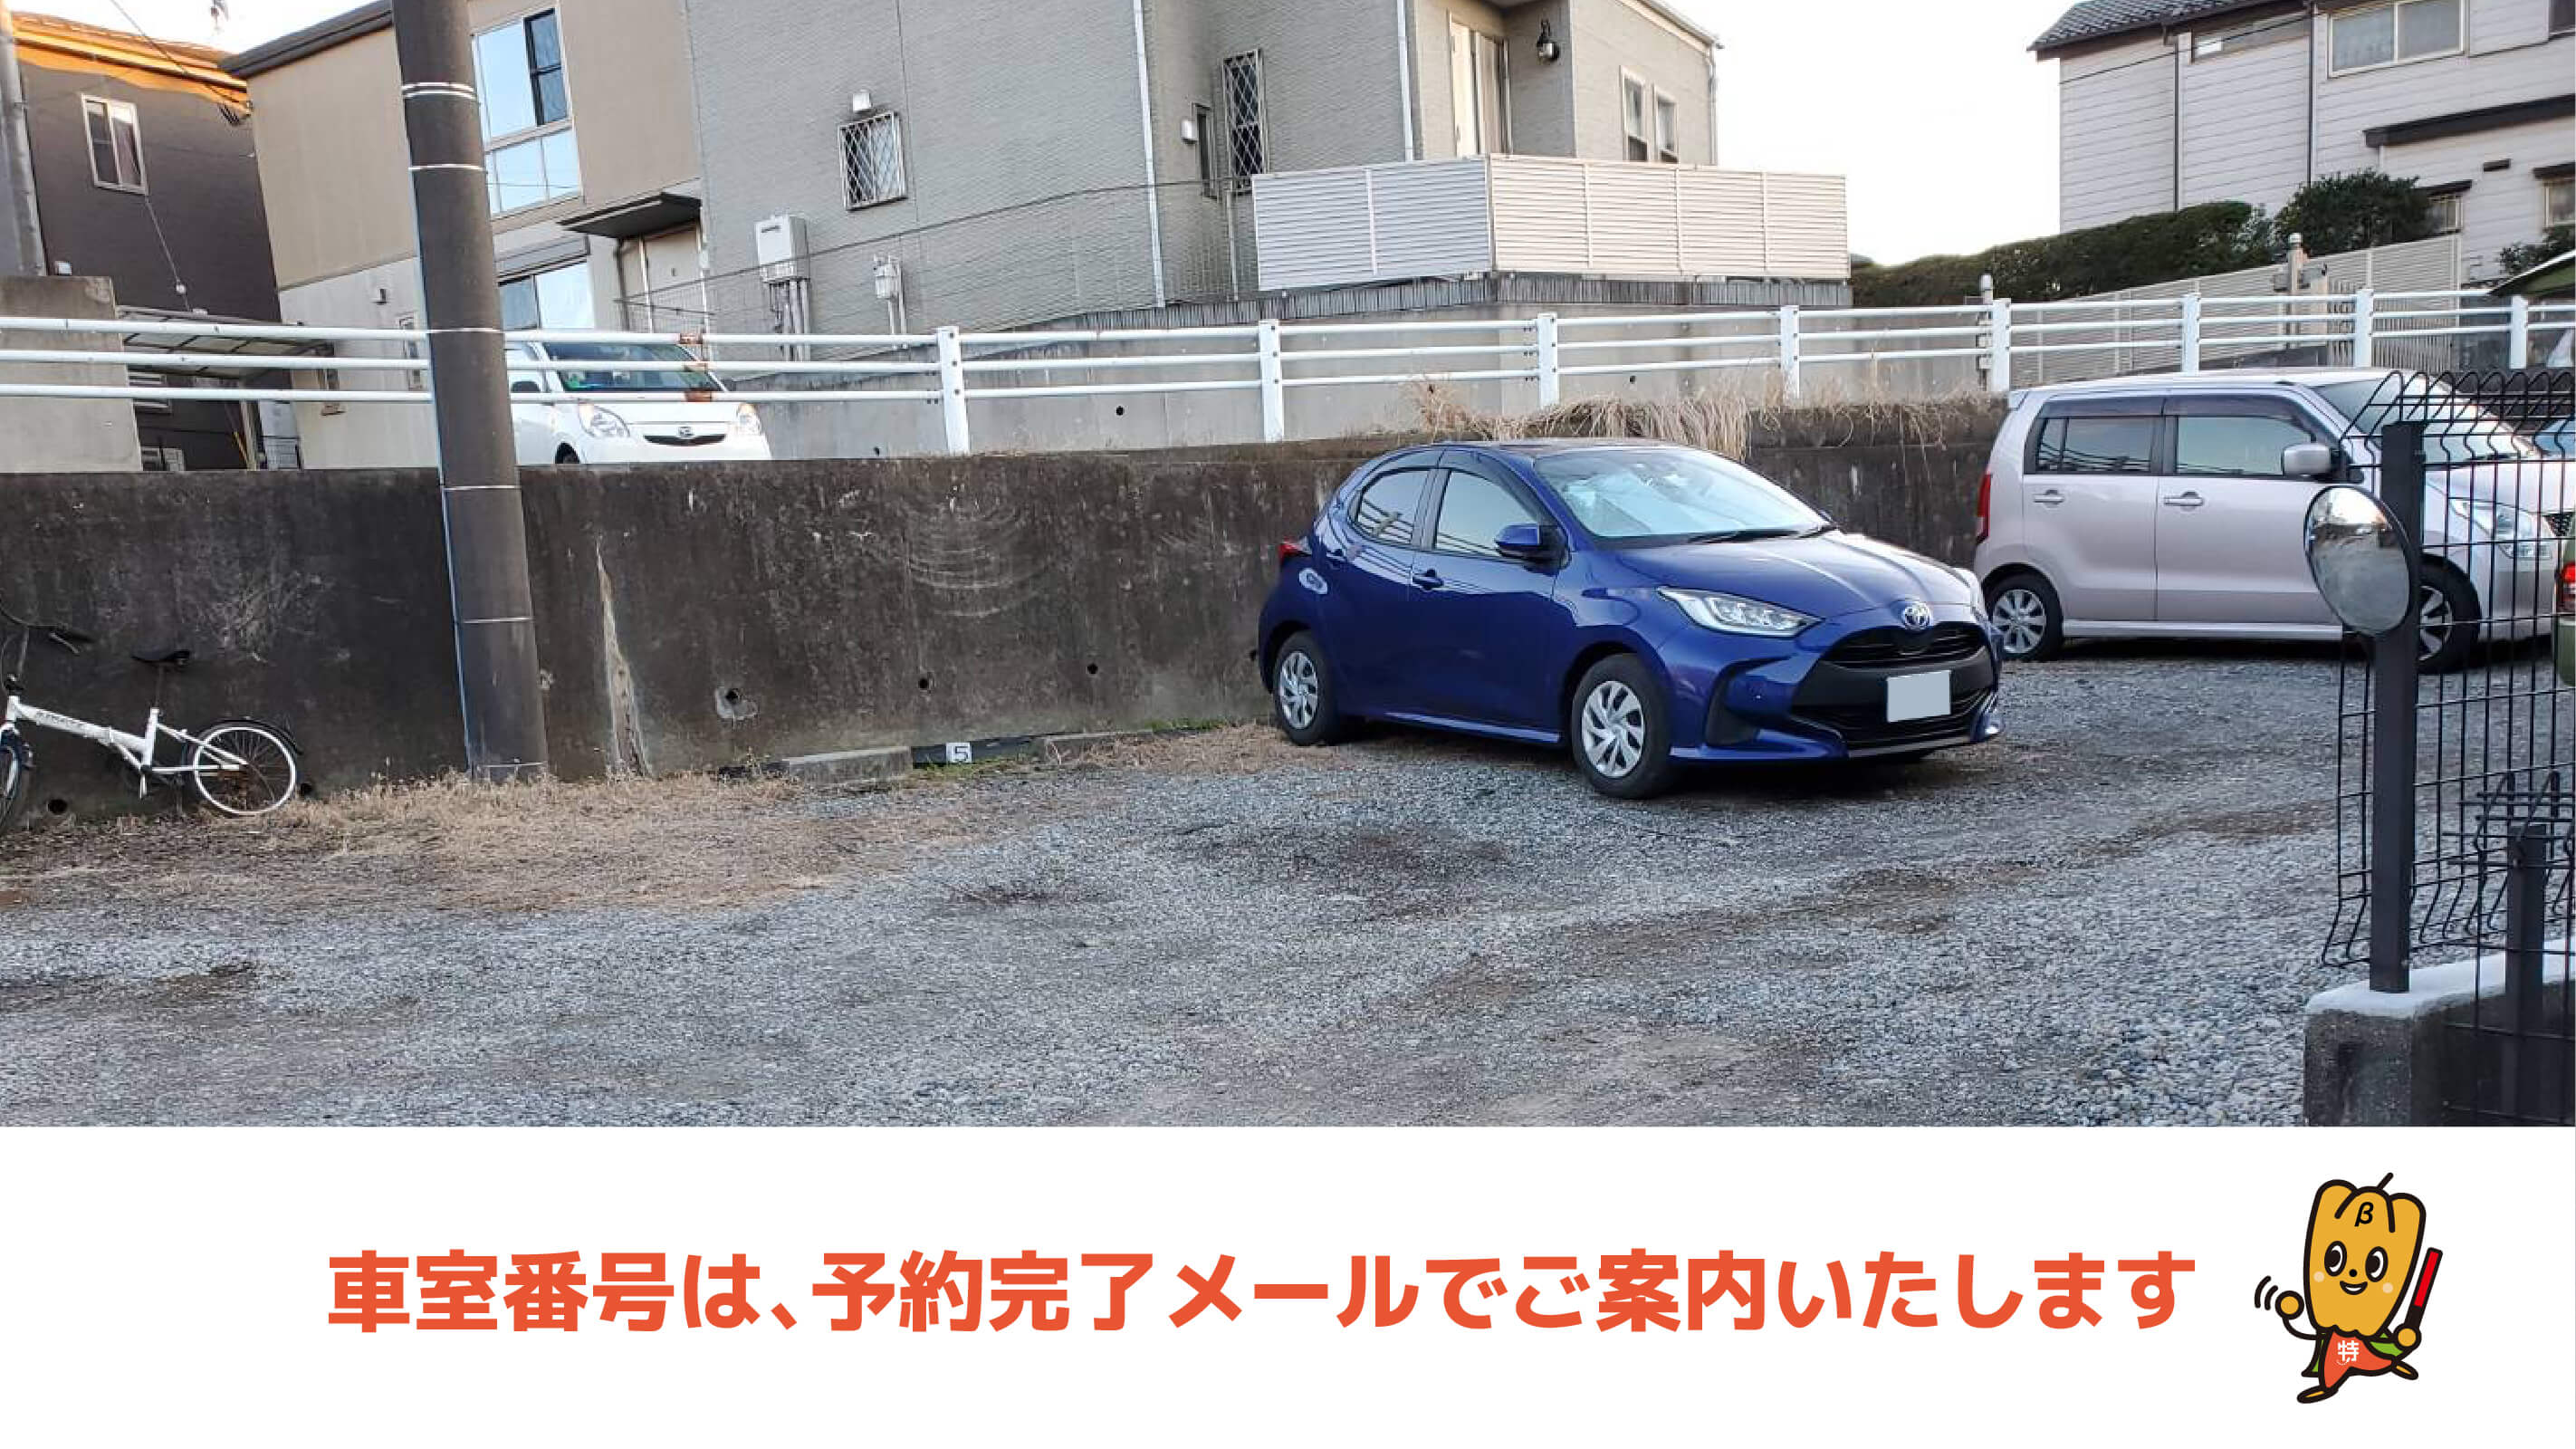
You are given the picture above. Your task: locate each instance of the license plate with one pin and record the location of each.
(1918, 696)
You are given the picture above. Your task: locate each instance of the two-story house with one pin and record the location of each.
(591, 162)
(994, 163)
(141, 154)
(2169, 103)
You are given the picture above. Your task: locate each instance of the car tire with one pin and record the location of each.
(1303, 700)
(2030, 624)
(1619, 727)
(2446, 646)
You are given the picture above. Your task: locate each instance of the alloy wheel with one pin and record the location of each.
(2021, 619)
(1614, 728)
(2434, 622)
(1301, 689)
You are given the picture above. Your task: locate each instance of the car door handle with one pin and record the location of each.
(1429, 579)
(2185, 500)
(2048, 498)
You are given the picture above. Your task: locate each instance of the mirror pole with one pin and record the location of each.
(2392, 705)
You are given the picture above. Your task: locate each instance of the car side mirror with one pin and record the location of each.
(525, 385)
(1530, 543)
(2307, 460)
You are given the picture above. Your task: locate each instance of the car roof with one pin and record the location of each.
(1533, 447)
(2221, 380)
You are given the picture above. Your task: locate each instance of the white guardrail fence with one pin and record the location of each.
(956, 368)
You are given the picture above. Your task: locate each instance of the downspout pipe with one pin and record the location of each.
(1145, 121)
(26, 233)
(1404, 61)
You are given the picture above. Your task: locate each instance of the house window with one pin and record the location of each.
(872, 160)
(529, 157)
(1203, 131)
(115, 144)
(557, 300)
(2557, 201)
(2390, 34)
(1247, 140)
(1633, 103)
(1477, 93)
(2442, 211)
(1668, 145)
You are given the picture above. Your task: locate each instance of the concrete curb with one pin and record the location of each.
(2379, 1059)
(885, 764)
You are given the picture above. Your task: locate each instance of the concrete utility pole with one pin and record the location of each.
(22, 240)
(478, 471)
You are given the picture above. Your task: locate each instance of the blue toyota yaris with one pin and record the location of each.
(1646, 603)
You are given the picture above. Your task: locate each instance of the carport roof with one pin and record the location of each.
(2103, 19)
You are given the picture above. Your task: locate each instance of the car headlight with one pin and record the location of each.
(2518, 532)
(1731, 615)
(746, 421)
(599, 422)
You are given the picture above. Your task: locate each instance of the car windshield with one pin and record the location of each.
(2456, 430)
(645, 367)
(1641, 496)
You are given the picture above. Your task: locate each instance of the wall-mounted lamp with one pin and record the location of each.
(1548, 49)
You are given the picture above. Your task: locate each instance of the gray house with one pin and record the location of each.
(2169, 103)
(896, 165)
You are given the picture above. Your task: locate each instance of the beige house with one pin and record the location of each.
(592, 158)
(2170, 103)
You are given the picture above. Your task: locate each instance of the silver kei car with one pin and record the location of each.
(2174, 505)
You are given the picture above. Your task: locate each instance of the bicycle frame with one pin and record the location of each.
(138, 751)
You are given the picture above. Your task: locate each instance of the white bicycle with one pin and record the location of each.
(238, 766)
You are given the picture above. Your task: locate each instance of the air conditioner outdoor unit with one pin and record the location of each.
(778, 244)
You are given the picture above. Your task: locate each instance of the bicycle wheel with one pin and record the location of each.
(243, 767)
(16, 770)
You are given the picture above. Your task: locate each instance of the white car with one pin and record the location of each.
(553, 424)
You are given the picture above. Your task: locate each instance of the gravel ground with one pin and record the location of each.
(2113, 915)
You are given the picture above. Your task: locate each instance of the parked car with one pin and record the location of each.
(2175, 505)
(553, 424)
(1647, 604)
(2567, 608)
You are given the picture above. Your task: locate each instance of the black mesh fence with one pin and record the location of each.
(2493, 787)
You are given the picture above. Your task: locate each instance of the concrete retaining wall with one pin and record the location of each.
(707, 615)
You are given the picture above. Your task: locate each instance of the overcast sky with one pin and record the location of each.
(1944, 123)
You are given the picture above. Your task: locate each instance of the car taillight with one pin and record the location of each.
(2567, 588)
(1290, 548)
(1985, 505)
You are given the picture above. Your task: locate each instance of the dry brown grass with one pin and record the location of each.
(1721, 421)
(674, 843)
(677, 842)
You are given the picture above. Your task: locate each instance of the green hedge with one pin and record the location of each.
(2217, 236)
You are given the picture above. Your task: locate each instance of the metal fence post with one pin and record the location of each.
(1789, 383)
(2392, 728)
(952, 390)
(2525, 1074)
(2517, 333)
(1999, 345)
(2364, 309)
(1551, 383)
(1274, 385)
(2191, 332)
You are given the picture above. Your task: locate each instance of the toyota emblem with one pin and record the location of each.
(688, 432)
(1918, 616)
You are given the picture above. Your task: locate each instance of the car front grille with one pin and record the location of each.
(1908, 649)
(694, 440)
(1864, 728)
